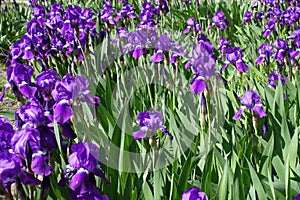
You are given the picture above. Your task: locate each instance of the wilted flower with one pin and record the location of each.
(194, 194)
(150, 122)
(252, 101)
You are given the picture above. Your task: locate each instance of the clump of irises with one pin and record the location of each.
(28, 150)
(61, 35)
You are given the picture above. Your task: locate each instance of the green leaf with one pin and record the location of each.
(256, 181)
(147, 192)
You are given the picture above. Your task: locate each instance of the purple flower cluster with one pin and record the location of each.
(147, 16)
(281, 52)
(58, 33)
(141, 41)
(247, 17)
(150, 122)
(126, 12)
(27, 150)
(107, 14)
(275, 14)
(16, 161)
(164, 45)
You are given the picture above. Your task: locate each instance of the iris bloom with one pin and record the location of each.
(247, 17)
(252, 101)
(234, 55)
(194, 194)
(203, 67)
(150, 122)
(81, 170)
(219, 20)
(265, 52)
(192, 25)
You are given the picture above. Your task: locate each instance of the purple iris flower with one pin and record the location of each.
(6, 133)
(281, 48)
(21, 138)
(66, 92)
(203, 67)
(297, 197)
(19, 78)
(107, 13)
(39, 164)
(163, 46)
(291, 15)
(83, 165)
(219, 20)
(194, 194)
(252, 101)
(9, 170)
(22, 49)
(147, 14)
(45, 82)
(137, 41)
(150, 122)
(126, 12)
(269, 28)
(265, 52)
(295, 37)
(162, 5)
(275, 77)
(259, 17)
(223, 45)
(32, 113)
(192, 25)
(234, 55)
(85, 155)
(247, 17)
